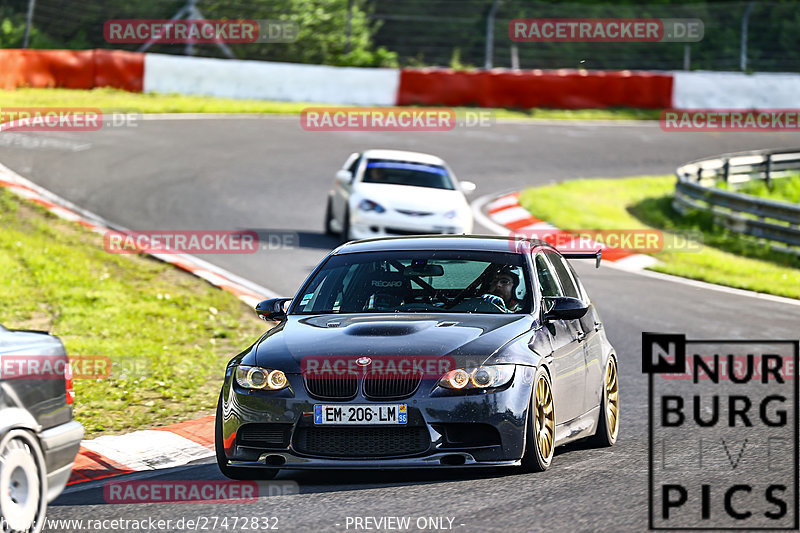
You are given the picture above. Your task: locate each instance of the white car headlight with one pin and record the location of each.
(482, 377)
(255, 377)
(369, 205)
(451, 214)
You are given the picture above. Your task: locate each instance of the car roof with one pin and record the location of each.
(402, 155)
(490, 243)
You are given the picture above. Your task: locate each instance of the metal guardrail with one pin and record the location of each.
(743, 213)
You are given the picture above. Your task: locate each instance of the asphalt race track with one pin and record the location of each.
(269, 175)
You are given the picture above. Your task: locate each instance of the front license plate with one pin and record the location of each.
(361, 414)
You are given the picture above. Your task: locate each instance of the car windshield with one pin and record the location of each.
(418, 281)
(393, 172)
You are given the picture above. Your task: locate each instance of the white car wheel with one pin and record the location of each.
(23, 483)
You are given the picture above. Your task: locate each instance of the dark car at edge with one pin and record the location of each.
(38, 437)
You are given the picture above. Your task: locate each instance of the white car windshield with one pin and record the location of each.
(393, 172)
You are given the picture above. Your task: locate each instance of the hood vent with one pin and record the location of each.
(383, 329)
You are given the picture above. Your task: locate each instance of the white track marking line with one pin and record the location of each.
(511, 214)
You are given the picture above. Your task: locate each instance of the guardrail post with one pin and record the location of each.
(726, 169)
(767, 170)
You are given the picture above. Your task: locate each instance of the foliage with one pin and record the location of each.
(722, 256)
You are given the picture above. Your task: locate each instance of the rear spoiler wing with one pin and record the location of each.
(597, 256)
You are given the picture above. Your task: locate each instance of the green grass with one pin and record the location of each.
(724, 258)
(782, 189)
(122, 101)
(167, 333)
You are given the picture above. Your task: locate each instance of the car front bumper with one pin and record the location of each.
(444, 423)
(368, 225)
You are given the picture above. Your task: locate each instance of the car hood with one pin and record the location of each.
(467, 338)
(412, 198)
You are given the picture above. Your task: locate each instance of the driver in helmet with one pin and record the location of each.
(502, 289)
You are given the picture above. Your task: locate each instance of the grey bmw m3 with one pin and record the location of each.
(426, 351)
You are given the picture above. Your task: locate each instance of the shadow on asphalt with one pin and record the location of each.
(309, 481)
(275, 239)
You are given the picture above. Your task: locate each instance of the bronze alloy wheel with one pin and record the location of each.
(612, 399)
(608, 418)
(541, 433)
(545, 419)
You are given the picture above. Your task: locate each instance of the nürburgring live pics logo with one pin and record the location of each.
(723, 433)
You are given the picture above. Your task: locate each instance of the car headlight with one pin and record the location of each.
(369, 205)
(255, 377)
(451, 214)
(482, 377)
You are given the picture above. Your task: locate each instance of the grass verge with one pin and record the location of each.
(122, 101)
(782, 189)
(725, 258)
(167, 333)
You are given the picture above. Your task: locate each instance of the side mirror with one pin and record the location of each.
(564, 308)
(468, 187)
(272, 309)
(343, 176)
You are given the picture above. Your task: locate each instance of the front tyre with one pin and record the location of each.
(23, 482)
(243, 474)
(329, 218)
(345, 234)
(608, 423)
(540, 433)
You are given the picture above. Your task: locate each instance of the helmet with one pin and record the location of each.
(515, 273)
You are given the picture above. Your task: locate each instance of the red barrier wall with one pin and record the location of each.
(72, 69)
(565, 89)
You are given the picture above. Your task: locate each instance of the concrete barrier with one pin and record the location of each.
(270, 81)
(71, 69)
(736, 90)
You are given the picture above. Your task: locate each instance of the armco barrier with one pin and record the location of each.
(759, 217)
(566, 89)
(71, 69)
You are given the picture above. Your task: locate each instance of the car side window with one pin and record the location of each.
(547, 279)
(581, 289)
(565, 277)
(354, 166)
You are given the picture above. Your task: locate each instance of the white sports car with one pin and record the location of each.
(381, 193)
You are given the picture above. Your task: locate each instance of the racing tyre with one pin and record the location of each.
(608, 423)
(244, 474)
(540, 434)
(329, 218)
(23, 482)
(345, 235)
